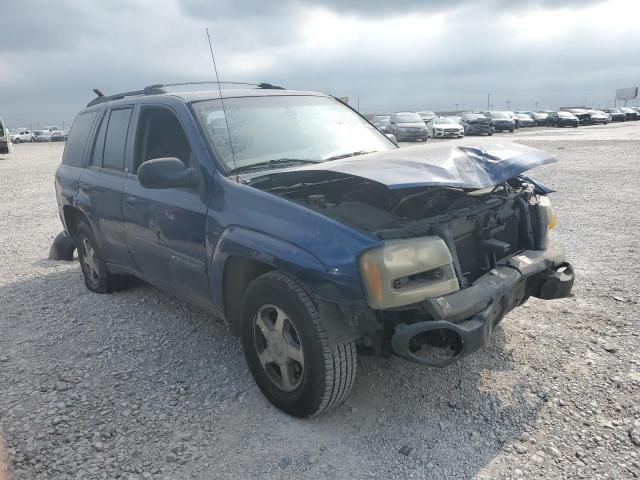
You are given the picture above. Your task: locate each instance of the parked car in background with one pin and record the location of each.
(42, 135)
(598, 117)
(444, 127)
(408, 126)
(616, 114)
(427, 115)
(525, 120)
(50, 128)
(502, 121)
(581, 114)
(562, 119)
(5, 141)
(540, 118)
(57, 136)
(630, 113)
(22, 135)
(476, 124)
(516, 120)
(381, 122)
(307, 246)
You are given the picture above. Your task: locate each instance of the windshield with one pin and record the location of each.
(443, 120)
(380, 118)
(408, 118)
(612, 110)
(504, 115)
(524, 116)
(274, 128)
(472, 116)
(565, 114)
(426, 114)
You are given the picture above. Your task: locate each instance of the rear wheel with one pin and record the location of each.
(286, 347)
(96, 276)
(17, 140)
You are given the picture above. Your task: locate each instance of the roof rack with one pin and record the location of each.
(160, 88)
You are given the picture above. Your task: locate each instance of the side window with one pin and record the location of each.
(98, 145)
(115, 139)
(160, 135)
(74, 148)
(109, 146)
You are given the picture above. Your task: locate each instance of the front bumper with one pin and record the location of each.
(448, 133)
(479, 129)
(410, 135)
(466, 318)
(503, 126)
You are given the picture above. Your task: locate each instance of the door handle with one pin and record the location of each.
(132, 202)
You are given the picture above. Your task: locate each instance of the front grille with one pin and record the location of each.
(469, 257)
(474, 261)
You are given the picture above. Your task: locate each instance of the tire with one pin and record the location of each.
(511, 130)
(320, 374)
(17, 140)
(96, 276)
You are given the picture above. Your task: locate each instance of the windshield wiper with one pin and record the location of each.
(276, 162)
(347, 155)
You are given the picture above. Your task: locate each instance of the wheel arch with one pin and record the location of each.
(73, 217)
(242, 255)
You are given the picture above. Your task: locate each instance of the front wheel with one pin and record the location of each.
(287, 350)
(17, 140)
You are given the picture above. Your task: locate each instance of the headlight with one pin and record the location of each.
(545, 219)
(407, 271)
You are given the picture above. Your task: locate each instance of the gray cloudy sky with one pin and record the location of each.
(391, 54)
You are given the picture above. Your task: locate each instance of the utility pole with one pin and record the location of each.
(488, 100)
(456, 108)
(508, 105)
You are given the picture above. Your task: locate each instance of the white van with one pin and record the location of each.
(5, 142)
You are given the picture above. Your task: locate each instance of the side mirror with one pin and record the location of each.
(393, 138)
(166, 173)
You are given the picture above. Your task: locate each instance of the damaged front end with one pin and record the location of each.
(465, 240)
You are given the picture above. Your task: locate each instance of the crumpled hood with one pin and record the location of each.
(471, 167)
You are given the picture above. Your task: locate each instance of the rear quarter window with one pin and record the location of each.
(78, 137)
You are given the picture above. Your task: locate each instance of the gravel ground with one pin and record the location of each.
(141, 385)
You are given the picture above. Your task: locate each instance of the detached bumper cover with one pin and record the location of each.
(472, 313)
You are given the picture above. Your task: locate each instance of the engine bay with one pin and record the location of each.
(386, 212)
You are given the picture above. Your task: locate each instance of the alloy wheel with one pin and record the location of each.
(279, 347)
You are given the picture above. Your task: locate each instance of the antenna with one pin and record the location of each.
(224, 111)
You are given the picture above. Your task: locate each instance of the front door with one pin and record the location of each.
(165, 228)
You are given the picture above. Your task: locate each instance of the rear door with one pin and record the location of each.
(102, 183)
(165, 228)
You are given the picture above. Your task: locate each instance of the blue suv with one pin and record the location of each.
(306, 229)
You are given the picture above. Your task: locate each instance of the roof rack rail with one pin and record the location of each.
(259, 85)
(159, 88)
(152, 90)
